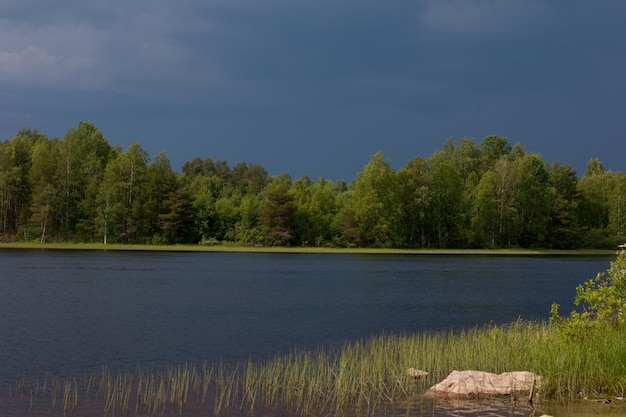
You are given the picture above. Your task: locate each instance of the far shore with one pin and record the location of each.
(300, 249)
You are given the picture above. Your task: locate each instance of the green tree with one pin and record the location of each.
(564, 230)
(512, 206)
(468, 162)
(349, 233)
(594, 167)
(83, 157)
(495, 199)
(249, 179)
(416, 198)
(375, 202)
(277, 211)
(155, 200)
(192, 169)
(111, 202)
(532, 200)
(206, 189)
(447, 200)
(227, 214)
(247, 230)
(5, 193)
(492, 149)
(594, 211)
(16, 188)
(617, 207)
(322, 210)
(46, 205)
(315, 210)
(225, 201)
(122, 182)
(19, 186)
(176, 219)
(487, 217)
(301, 190)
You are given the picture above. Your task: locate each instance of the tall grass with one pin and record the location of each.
(362, 377)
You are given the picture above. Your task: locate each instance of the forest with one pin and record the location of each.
(465, 195)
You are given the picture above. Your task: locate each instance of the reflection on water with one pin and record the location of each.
(587, 408)
(39, 406)
(496, 407)
(507, 408)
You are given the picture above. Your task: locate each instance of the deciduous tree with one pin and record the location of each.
(123, 178)
(416, 196)
(376, 202)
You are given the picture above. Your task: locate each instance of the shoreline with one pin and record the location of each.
(304, 250)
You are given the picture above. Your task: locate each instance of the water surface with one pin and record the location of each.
(68, 312)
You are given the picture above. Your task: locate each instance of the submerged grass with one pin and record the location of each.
(359, 378)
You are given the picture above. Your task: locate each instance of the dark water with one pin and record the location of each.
(63, 312)
(67, 310)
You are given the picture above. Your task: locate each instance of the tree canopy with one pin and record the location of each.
(490, 194)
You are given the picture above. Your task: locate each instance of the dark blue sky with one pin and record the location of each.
(315, 87)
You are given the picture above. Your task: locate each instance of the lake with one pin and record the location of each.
(69, 312)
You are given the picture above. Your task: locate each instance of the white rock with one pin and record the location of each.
(481, 384)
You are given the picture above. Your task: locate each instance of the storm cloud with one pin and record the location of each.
(316, 87)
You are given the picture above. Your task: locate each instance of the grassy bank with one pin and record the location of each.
(364, 377)
(273, 249)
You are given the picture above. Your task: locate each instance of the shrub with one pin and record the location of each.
(602, 302)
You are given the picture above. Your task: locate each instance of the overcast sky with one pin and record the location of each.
(315, 87)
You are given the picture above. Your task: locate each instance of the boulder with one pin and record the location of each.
(473, 384)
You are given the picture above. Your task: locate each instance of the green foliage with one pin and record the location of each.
(488, 211)
(375, 202)
(594, 167)
(316, 207)
(466, 195)
(602, 301)
(176, 219)
(447, 201)
(493, 148)
(564, 227)
(277, 211)
(416, 196)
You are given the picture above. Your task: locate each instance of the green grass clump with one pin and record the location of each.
(359, 378)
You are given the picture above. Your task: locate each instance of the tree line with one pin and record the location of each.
(465, 195)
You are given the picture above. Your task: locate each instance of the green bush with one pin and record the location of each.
(602, 302)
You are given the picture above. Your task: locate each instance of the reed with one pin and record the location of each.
(70, 395)
(364, 377)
